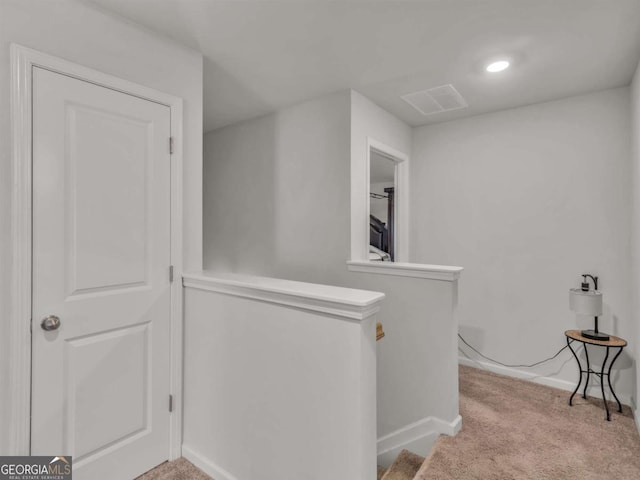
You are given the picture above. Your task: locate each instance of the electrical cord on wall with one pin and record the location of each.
(513, 366)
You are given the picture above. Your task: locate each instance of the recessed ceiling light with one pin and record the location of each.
(498, 66)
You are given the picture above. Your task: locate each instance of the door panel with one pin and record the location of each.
(107, 200)
(101, 253)
(107, 387)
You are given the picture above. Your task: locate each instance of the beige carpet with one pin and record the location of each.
(381, 472)
(405, 466)
(180, 469)
(518, 430)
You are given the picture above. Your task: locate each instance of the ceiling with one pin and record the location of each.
(261, 56)
(382, 169)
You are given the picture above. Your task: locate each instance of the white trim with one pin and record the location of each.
(417, 430)
(399, 269)
(20, 317)
(206, 465)
(177, 298)
(22, 62)
(401, 185)
(593, 390)
(339, 302)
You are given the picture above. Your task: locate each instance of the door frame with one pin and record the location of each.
(23, 60)
(401, 184)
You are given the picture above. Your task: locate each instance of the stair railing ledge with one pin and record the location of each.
(347, 303)
(402, 269)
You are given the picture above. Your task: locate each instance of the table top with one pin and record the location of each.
(612, 342)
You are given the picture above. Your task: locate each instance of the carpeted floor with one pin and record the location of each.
(517, 430)
(180, 469)
(514, 430)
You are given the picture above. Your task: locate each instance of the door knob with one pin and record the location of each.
(50, 323)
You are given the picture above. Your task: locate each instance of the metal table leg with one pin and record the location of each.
(609, 378)
(604, 399)
(586, 352)
(569, 342)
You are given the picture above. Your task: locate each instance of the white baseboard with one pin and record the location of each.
(205, 464)
(593, 390)
(417, 437)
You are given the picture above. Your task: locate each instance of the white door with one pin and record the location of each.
(101, 256)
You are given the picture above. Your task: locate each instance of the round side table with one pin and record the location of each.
(613, 342)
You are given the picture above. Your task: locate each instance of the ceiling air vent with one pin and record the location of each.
(436, 100)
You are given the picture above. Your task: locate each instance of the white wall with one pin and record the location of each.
(78, 33)
(277, 203)
(276, 193)
(527, 200)
(418, 315)
(635, 231)
(275, 390)
(417, 364)
(369, 121)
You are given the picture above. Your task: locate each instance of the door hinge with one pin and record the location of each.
(170, 273)
(170, 145)
(170, 403)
